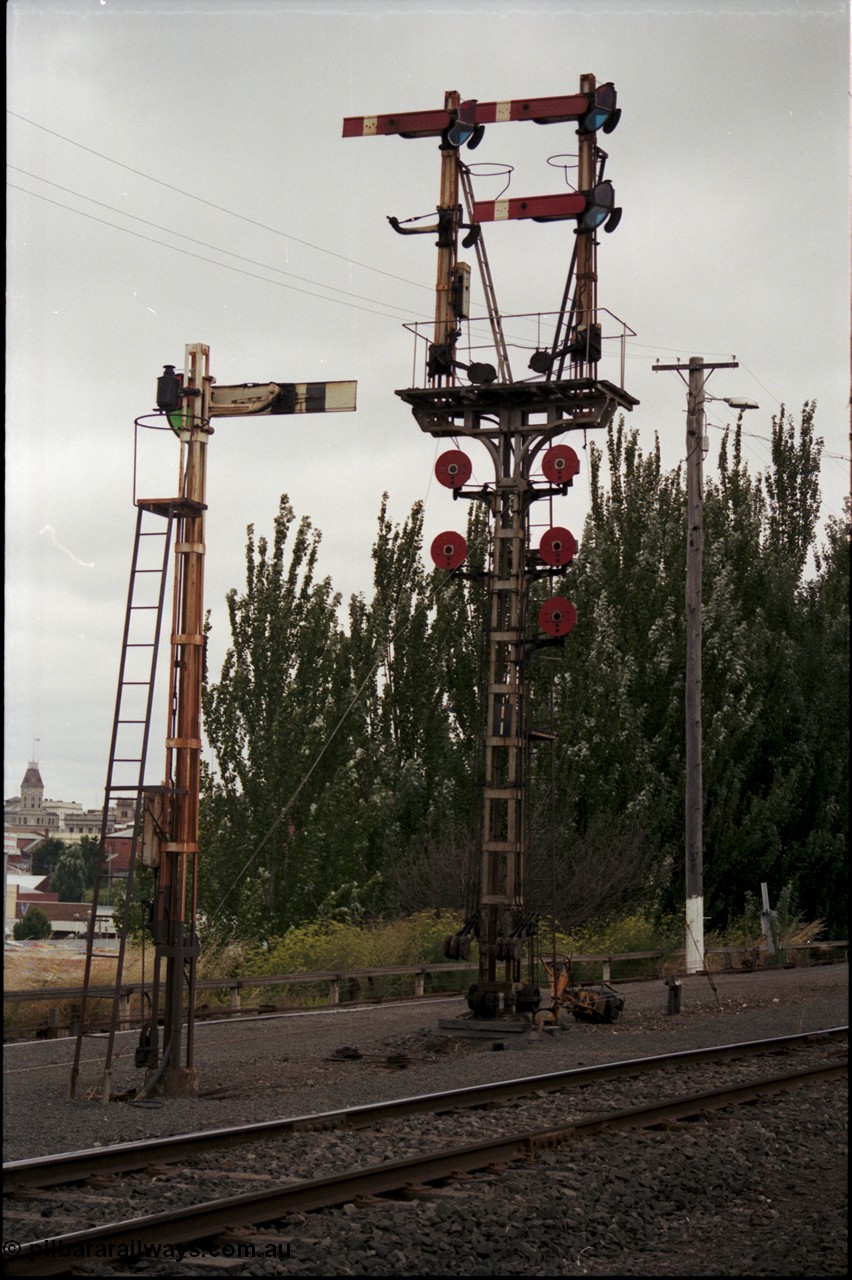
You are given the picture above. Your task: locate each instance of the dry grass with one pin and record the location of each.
(40, 967)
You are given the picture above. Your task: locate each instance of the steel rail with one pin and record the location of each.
(74, 1166)
(210, 1219)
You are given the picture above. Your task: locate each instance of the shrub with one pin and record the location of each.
(35, 924)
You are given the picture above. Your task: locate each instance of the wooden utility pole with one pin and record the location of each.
(694, 798)
(699, 371)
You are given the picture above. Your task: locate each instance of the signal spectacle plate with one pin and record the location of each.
(449, 550)
(560, 464)
(557, 616)
(453, 468)
(558, 547)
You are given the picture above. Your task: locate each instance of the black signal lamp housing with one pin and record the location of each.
(603, 112)
(169, 386)
(464, 128)
(600, 209)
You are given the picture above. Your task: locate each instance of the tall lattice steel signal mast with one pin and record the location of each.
(519, 423)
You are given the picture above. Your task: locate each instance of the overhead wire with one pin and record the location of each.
(211, 261)
(183, 236)
(212, 204)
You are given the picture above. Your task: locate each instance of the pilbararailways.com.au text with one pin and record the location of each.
(143, 1249)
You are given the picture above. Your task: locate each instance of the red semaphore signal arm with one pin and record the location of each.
(431, 124)
(569, 204)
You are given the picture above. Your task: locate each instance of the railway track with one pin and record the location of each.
(468, 1131)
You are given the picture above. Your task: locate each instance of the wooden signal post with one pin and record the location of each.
(168, 814)
(176, 898)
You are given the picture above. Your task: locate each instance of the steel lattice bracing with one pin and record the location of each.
(514, 421)
(507, 420)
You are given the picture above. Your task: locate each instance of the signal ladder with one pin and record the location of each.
(130, 731)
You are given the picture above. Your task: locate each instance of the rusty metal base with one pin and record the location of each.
(179, 1082)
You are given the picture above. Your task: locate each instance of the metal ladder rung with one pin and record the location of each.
(132, 787)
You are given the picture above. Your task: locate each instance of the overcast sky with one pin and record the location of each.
(178, 175)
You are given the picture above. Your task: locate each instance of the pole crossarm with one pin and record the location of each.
(704, 364)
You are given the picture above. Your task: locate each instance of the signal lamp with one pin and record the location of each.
(603, 112)
(600, 208)
(540, 361)
(464, 128)
(169, 385)
(481, 373)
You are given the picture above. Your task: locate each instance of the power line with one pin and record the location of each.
(201, 258)
(192, 239)
(220, 208)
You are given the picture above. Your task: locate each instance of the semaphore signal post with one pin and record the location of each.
(165, 818)
(519, 424)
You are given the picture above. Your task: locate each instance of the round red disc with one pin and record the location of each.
(453, 468)
(560, 464)
(558, 547)
(449, 550)
(557, 616)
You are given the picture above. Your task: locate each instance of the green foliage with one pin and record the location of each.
(332, 945)
(35, 924)
(272, 818)
(335, 753)
(636, 931)
(75, 869)
(346, 783)
(69, 877)
(46, 856)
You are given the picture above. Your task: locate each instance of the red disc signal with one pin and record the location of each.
(560, 464)
(557, 616)
(449, 550)
(453, 468)
(558, 547)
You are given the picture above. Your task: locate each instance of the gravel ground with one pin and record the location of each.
(757, 1191)
(279, 1066)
